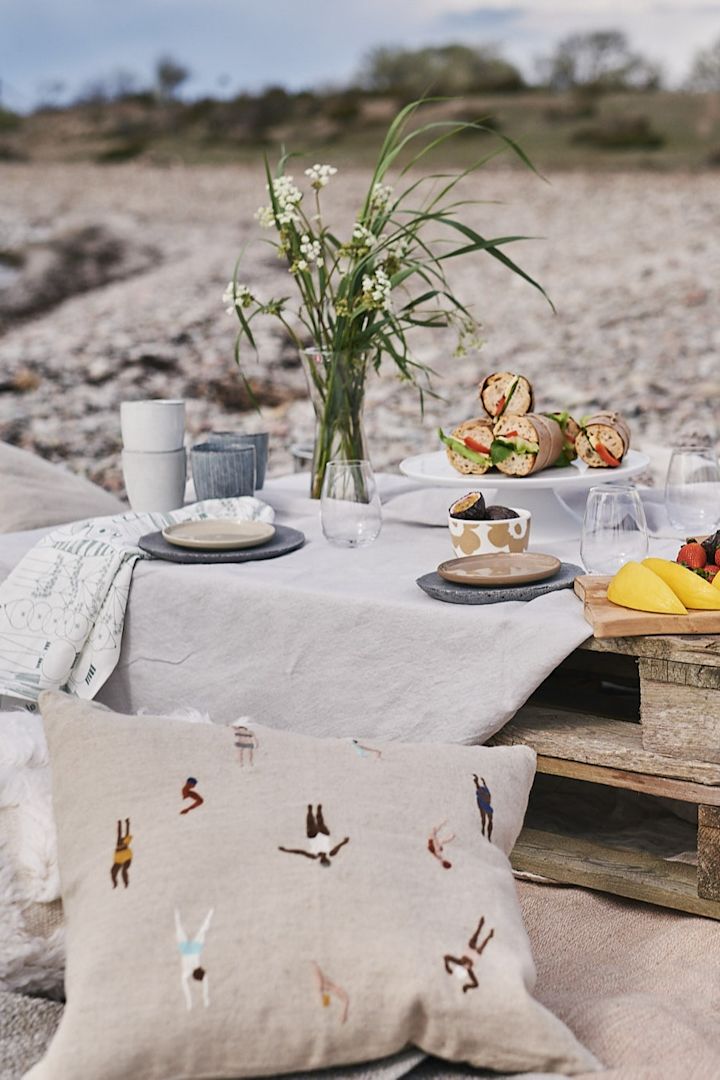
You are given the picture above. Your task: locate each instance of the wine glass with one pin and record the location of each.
(614, 529)
(350, 511)
(692, 490)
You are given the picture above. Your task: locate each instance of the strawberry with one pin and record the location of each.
(692, 555)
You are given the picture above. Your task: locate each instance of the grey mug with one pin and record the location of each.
(259, 440)
(221, 471)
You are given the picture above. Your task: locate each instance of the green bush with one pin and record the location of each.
(9, 121)
(127, 150)
(620, 133)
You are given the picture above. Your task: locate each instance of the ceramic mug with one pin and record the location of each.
(489, 537)
(222, 471)
(152, 426)
(259, 440)
(155, 482)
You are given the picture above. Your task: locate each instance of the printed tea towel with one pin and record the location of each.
(62, 608)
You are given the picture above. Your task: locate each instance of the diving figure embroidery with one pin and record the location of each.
(123, 855)
(188, 792)
(318, 836)
(328, 989)
(364, 751)
(246, 742)
(463, 967)
(484, 804)
(190, 952)
(436, 845)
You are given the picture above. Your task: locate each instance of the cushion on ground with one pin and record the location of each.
(246, 901)
(35, 493)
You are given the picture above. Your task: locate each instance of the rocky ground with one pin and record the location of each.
(111, 281)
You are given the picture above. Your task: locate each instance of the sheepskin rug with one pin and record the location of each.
(32, 937)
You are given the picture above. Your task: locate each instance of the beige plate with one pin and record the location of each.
(218, 534)
(513, 568)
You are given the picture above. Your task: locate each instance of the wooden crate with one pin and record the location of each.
(639, 714)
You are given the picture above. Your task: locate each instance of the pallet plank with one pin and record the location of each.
(708, 880)
(636, 875)
(680, 709)
(682, 790)
(689, 649)
(597, 740)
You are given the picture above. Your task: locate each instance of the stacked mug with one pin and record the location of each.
(153, 458)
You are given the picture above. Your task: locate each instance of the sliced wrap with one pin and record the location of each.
(526, 444)
(504, 392)
(472, 459)
(604, 440)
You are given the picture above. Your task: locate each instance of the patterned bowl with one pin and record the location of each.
(485, 537)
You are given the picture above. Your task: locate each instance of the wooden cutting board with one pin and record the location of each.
(608, 620)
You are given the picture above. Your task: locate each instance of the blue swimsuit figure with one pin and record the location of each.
(483, 799)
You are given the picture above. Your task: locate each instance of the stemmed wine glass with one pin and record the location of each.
(614, 529)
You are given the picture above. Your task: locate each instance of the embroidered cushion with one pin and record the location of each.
(242, 901)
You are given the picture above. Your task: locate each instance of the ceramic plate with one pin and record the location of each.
(513, 568)
(219, 534)
(434, 469)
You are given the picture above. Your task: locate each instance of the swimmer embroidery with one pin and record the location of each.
(318, 836)
(366, 751)
(188, 792)
(190, 952)
(246, 742)
(328, 990)
(484, 803)
(123, 855)
(436, 845)
(463, 967)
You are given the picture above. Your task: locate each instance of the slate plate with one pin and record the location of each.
(284, 541)
(439, 589)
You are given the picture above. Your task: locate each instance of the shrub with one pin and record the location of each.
(620, 133)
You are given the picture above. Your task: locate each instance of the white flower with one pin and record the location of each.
(265, 217)
(298, 265)
(381, 195)
(319, 175)
(235, 295)
(362, 236)
(376, 290)
(310, 249)
(285, 192)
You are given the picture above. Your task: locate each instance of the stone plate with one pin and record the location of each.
(284, 541)
(500, 568)
(439, 589)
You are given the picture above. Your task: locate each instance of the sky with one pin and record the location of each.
(234, 45)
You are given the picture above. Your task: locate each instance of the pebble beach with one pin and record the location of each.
(630, 260)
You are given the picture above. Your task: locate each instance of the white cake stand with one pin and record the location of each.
(542, 494)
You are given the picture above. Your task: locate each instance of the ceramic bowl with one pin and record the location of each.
(488, 537)
(223, 470)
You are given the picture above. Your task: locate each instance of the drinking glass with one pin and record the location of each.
(692, 490)
(350, 511)
(614, 529)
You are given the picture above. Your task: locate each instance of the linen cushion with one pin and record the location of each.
(242, 901)
(35, 493)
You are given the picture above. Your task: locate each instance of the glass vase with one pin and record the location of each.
(336, 383)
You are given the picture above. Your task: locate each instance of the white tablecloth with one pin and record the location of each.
(330, 640)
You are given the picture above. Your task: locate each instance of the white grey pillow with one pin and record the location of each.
(35, 494)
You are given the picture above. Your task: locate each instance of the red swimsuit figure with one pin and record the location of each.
(188, 792)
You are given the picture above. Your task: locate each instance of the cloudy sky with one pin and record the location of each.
(249, 44)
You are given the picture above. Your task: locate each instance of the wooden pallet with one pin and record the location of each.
(641, 715)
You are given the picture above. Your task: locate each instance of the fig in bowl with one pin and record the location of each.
(500, 529)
